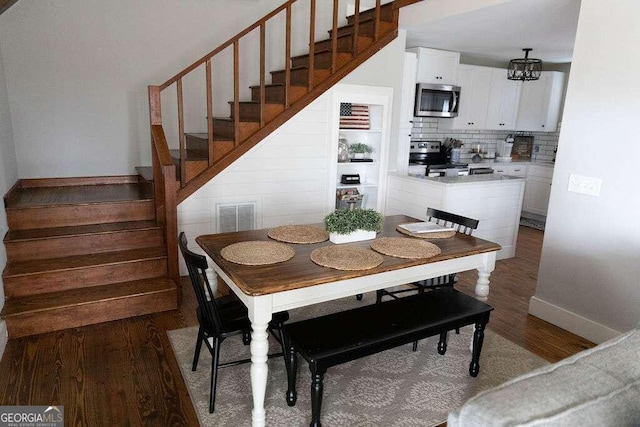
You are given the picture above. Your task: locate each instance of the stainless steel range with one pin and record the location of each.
(424, 152)
(430, 154)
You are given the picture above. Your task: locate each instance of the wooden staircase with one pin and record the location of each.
(202, 155)
(82, 251)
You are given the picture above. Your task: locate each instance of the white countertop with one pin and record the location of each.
(488, 162)
(465, 179)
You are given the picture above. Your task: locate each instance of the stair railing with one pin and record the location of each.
(164, 185)
(164, 170)
(234, 42)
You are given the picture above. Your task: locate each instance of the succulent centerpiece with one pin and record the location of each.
(353, 225)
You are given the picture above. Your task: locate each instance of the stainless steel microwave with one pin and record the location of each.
(436, 100)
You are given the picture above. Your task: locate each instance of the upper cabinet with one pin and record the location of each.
(436, 66)
(504, 96)
(539, 107)
(475, 84)
(408, 89)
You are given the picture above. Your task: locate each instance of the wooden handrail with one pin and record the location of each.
(397, 4)
(226, 44)
(164, 187)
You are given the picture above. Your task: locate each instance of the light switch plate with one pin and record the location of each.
(585, 185)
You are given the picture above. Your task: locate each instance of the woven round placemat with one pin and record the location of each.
(301, 234)
(346, 257)
(436, 235)
(257, 252)
(401, 247)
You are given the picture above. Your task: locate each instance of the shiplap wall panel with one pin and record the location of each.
(496, 205)
(408, 197)
(285, 174)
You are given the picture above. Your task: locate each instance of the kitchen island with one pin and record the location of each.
(495, 200)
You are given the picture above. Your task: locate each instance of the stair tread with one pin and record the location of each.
(192, 155)
(256, 102)
(72, 297)
(45, 233)
(387, 7)
(79, 194)
(145, 172)
(205, 137)
(21, 268)
(292, 69)
(230, 119)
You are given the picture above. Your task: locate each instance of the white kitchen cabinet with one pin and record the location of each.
(407, 102)
(504, 97)
(436, 66)
(539, 106)
(537, 189)
(512, 170)
(475, 86)
(408, 96)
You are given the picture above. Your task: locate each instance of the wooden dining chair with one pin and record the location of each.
(461, 224)
(220, 317)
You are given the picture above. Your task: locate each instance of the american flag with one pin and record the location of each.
(354, 116)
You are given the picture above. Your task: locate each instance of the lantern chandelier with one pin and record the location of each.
(524, 68)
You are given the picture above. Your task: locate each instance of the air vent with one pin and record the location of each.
(236, 217)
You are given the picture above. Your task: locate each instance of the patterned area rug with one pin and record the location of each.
(397, 387)
(532, 223)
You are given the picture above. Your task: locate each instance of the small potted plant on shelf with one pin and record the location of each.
(359, 150)
(353, 225)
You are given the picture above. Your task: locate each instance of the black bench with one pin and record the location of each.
(348, 335)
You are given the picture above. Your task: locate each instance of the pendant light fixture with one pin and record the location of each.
(524, 68)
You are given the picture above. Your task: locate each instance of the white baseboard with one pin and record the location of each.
(572, 322)
(4, 337)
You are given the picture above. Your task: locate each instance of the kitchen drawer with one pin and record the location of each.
(512, 170)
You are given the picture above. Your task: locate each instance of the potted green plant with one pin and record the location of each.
(359, 150)
(353, 225)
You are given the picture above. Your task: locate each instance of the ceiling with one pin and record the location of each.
(499, 32)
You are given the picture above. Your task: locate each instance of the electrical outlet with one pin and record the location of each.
(585, 185)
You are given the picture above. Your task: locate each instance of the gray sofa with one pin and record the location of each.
(596, 387)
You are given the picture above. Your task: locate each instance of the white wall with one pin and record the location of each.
(588, 281)
(77, 74)
(8, 177)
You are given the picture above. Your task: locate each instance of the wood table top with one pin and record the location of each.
(300, 271)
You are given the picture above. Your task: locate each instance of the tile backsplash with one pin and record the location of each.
(546, 142)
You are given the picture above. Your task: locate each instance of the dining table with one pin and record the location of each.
(299, 282)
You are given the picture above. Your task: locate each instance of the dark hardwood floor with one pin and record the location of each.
(123, 373)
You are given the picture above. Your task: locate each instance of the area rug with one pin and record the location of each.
(397, 387)
(532, 223)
